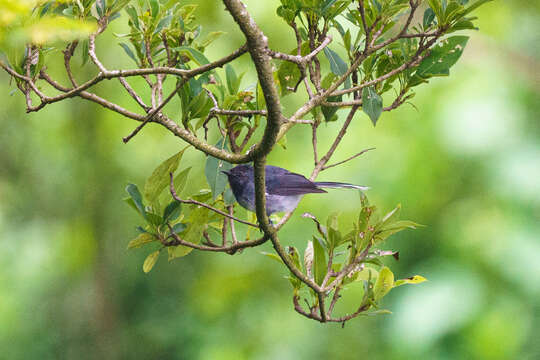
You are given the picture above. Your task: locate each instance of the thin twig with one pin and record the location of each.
(231, 249)
(151, 115)
(195, 202)
(231, 224)
(348, 159)
(298, 59)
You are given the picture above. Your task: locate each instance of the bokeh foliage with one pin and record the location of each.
(458, 166)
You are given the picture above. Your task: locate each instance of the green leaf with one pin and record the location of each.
(154, 6)
(416, 279)
(100, 7)
(129, 52)
(367, 274)
(371, 104)
(347, 40)
(334, 235)
(172, 211)
(462, 25)
(228, 197)
(211, 38)
(136, 197)
(180, 180)
(283, 142)
(84, 52)
(429, 16)
(163, 23)
(197, 222)
(154, 219)
(403, 224)
(288, 75)
(150, 261)
(384, 283)
(377, 312)
(199, 107)
(144, 238)
(337, 65)
(287, 14)
(442, 57)
(273, 256)
(293, 254)
(391, 217)
(133, 16)
(179, 228)
(473, 6)
(195, 55)
(117, 5)
(437, 9)
(329, 112)
(213, 170)
(160, 176)
(233, 81)
(392, 228)
(452, 12)
(319, 260)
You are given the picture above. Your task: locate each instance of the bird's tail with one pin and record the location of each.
(331, 184)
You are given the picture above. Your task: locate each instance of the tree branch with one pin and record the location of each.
(195, 202)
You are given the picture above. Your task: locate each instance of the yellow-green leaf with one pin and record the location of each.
(160, 177)
(140, 240)
(197, 221)
(416, 279)
(150, 261)
(384, 283)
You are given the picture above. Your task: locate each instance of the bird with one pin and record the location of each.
(284, 189)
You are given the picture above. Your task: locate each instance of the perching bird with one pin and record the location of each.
(284, 189)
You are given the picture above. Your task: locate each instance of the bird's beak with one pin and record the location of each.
(226, 172)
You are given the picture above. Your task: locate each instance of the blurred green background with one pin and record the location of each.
(466, 164)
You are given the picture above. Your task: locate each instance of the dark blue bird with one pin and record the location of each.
(284, 189)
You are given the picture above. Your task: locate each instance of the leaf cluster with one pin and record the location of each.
(335, 257)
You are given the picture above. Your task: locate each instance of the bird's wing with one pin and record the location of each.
(290, 184)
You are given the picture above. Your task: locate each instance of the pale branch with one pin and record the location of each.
(342, 103)
(314, 141)
(111, 74)
(216, 110)
(231, 224)
(162, 119)
(348, 159)
(224, 231)
(231, 249)
(258, 45)
(92, 97)
(298, 59)
(92, 54)
(336, 142)
(68, 54)
(152, 113)
(327, 318)
(322, 309)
